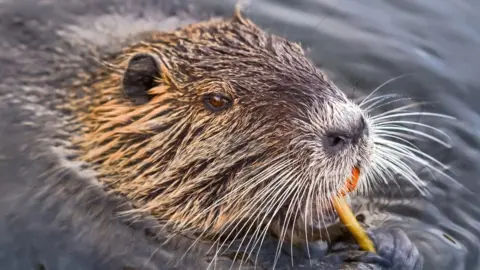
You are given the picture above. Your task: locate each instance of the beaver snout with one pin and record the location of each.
(335, 141)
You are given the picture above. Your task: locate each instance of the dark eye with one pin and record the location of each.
(217, 102)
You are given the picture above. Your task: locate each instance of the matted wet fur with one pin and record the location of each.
(209, 171)
(80, 116)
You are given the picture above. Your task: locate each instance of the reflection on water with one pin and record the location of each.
(362, 44)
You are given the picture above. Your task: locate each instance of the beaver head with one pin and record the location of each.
(218, 127)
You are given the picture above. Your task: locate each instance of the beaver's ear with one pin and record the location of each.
(141, 75)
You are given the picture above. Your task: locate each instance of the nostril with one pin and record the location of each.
(362, 124)
(335, 141)
(363, 128)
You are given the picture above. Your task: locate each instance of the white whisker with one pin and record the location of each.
(391, 130)
(384, 102)
(405, 153)
(404, 108)
(400, 167)
(415, 124)
(378, 99)
(382, 85)
(389, 116)
(273, 207)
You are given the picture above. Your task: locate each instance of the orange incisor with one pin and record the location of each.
(346, 215)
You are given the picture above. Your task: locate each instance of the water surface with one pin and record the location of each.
(362, 44)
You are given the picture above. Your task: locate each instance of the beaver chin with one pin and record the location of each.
(316, 220)
(310, 226)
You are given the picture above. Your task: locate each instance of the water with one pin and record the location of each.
(362, 44)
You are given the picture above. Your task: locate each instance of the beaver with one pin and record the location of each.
(185, 146)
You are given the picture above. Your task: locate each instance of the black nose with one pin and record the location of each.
(337, 140)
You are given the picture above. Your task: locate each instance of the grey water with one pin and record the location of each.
(362, 44)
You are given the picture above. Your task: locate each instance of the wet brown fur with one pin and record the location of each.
(159, 154)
